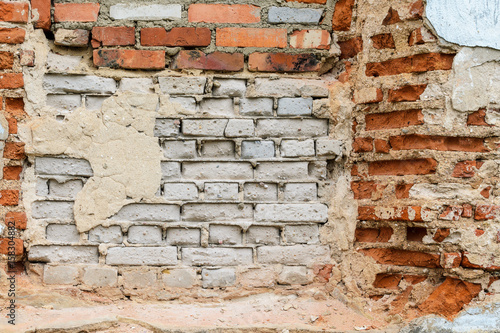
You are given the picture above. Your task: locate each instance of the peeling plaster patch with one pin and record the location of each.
(466, 22)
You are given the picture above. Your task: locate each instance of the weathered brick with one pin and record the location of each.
(179, 149)
(79, 84)
(218, 107)
(263, 235)
(9, 197)
(129, 59)
(58, 210)
(145, 11)
(257, 149)
(397, 119)
(179, 278)
(77, 12)
(477, 118)
(142, 85)
(182, 85)
(138, 278)
(67, 190)
(225, 234)
(144, 234)
(16, 12)
(363, 145)
(229, 87)
(290, 87)
(373, 235)
(381, 146)
(6, 245)
(293, 275)
(63, 166)
(412, 64)
(170, 170)
(350, 47)
(486, 212)
(183, 236)
(392, 17)
(434, 142)
(407, 93)
(27, 58)
(12, 35)
(368, 95)
(62, 233)
(292, 127)
(166, 127)
(420, 166)
(294, 15)
(205, 127)
(42, 10)
(421, 36)
(308, 1)
(216, 212)
(251, 37)
(113, 36)
(329, 147)
(403, 257)
(220, 13)
(217, 61)
(100, 234)
(466, 169)
(295, 106)
(11, 80)
(415, 234)
(100, 276)
(148, 212)
(310, 39)
(217, 170)
(60, 274)
(372, 213)
(64, 254)
(291, 213)
(64, 103)
(296, 148)
(293, 255)
(180, 191)
(302, 234)
(342, 15)
(261, 192)
(282, 170)
(12, 172)
(301, 192)
(383, 41)
(221, 191)
(18, 220)
(139, 256)
(6, 60)
(239, 128)
(256, 106)
(222, 277)
(283, 62)
(217, 149)
(219, 256)
(72, 38)
(176, 37)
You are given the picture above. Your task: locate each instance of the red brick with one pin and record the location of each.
(77, 12)
(374, 213)
(14, 150)
(450, 297)
(414, 279)
(452, 260)
(467, 210)
(11, 80)
(12, 172)
(14, 12)
(488, 267)
(176, 37)
(364, 190)
(363, 145)
(486, 212)
(251, 37)
(419, 166)
(310, 39)
(323, 273)
(397, 119)
(434, 142)
(417, 10)
(27, 58)
(217, 61)
(12, 125)
(403, 191)
(308, 1)
(351, 47)
(486, 192)
(382, 146)
(113, 36)
(283, 62)
(15, 107)
(373, 235)
(219, 13)
(451, 213)
(403, 258)
(412, 64)
(406, 93)
(6, 60)
(342, 15)
(18, 246)
(466, 169)
(477, 118)
(383, 41)
(392, 17)
(12, 35)
(387, 281)
(415, 234)
(129, 59)
(441, 235)
(17, 220)
(43, 9)
(9, 197)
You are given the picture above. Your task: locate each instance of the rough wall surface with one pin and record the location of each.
(218, 149)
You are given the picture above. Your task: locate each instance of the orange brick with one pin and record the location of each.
(478, 118)
(9, 197)
(283, 62)
(363, 145)
(412, 64)
(383, 41)
(372, 213)
(397, 119)
(176, 37)
(113, 36)
(218, 13)
(419, 166)
(43, 9)
(12, 35)
(251, 37)
(12, 172)
(466, 169)
(216, 61)
(373, 235)
(12, 125)
(129, 59)
(382, 146)
(403, 257)
(434, 142)
(6, 60)
(14, 150)
(308, 1)
(392, 17)
(14, 12)
(342, 15)
(16, 245)
(351, 47)
(18, 220)
(77, 12)
(11, 80)
(407, 93)
(15, 107)
(310, 39)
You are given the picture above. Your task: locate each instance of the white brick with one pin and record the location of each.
(58, 210)
(187, 103)
(216, 212)
(222, 277)
(148, 212)
(329, 147)
(217, 149)
(170, 170)
(261, 191)
(295, 106)
(293, 275)
(291, 87)
(138, 85)
(263, 235)
(256, 106)
(63, 166)
(144, 234)
(64, 102)
(179, 278)
(218, 107)
(62, 233)
(204, 127)
(166, 127)
(145, 12)
(257, 149)
(102, 234)
(138, 279)
(297, 148)
(183, 236)
(60, 274)
(62, 63)
(154, 256)
(42, 187)
(100, 276)
(68, 189)
(221, 191)
(179, 149)
(229, 87)
(282, 170)
(219, 256)
(301, 191)
(182, 85)
(291, 212)
(225, 234)
(217, 170)
(292, 127)
(94, 102)
(180, 191)
(302, 234)
(240, 128)
(293, 255)
(79, 84)
(294, 15)
(64, 254)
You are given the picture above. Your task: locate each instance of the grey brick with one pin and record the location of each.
(94, 102)
(188, 103)
(58, 210)
(60, 274)
(154, 256)
(62, 233)
(302, 234)
(144, 234)
(64, 254)
(42, 187)
(79, 84)
(64, 102)
(293, 255)
(301, 191)
(217, 170)
(179, 149)
(293, 275)
(180, 191)
(292, 127)
(291, 212)
(294, 15)
(138, 85)
(145, 11)
(256, 106)
(295, 106)
(317, 169)
(221, 191)
(148, 212)
(138, 279)
(222, 277)
(263, 235)
(166, 127)
(204, 127)
(182, 85)
(100, 234)
(170, 170)
(68, 189)
(63, 166)
(100, 276)
(219, 256)
(183, 236)
(229, 87)
(218, 107)
(282, 170)
(217, 149)
(62, 63)
(291, 87)
(257, 149)
(225, 234)
(329, 147)
(216, 212)
(240, 128)
(179, 278)
(261, 191)
(297, 148)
